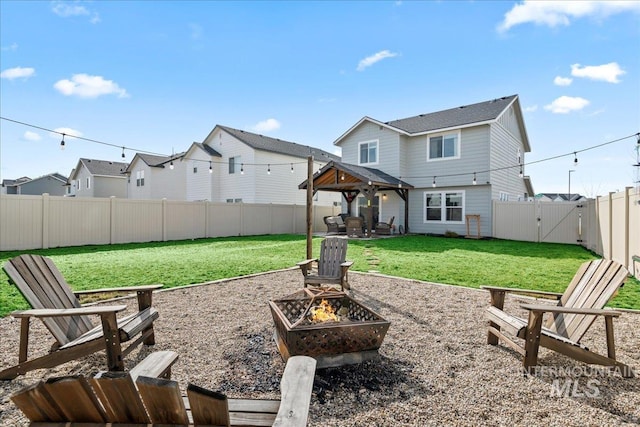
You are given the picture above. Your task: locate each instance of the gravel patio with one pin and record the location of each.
(434, 368)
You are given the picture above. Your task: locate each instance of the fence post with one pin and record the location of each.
(611, 193)
(164, 219)
(45, 220)
(626, 227)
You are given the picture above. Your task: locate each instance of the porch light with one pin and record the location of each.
(62, 142)
(342, 177)
(369, 182)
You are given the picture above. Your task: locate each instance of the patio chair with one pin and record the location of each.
(385, 227)
(332, 264)
(335, 225)
(117, 397)
(53, 302)
(355, 225)
(595, 283)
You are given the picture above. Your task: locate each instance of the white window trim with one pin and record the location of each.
(458, 134)
(443, 195)
(88, 183)
(377, 142)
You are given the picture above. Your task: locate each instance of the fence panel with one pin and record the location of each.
(515, 221)
(558, 222)
(20, 222)
(136, 221)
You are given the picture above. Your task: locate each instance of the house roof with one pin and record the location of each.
(24, 179)
(565, 197)
(275, 145)
(207, 149)
(18, 181)
(101, 167)
(452, 118)
(338, 176)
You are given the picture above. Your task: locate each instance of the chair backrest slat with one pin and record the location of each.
(163, 400)
(333, 252)
(36, 404)
(595, 283)
(120, 398)
(208, 407)
(43, 286)
(75, 398)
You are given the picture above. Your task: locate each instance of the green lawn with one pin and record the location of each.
(461, 262)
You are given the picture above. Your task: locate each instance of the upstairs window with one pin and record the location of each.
(88, 183)
(368, 153)
(444, 147)
(140, 179)
(234, 164)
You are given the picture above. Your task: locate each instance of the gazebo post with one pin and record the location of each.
(309, 207)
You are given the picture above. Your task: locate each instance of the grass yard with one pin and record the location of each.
(462, 262)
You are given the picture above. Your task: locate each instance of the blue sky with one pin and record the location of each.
(157, 76)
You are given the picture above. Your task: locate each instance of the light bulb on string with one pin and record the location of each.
(210, 167)
(171, 165)
(123, 152)
(62, 142)
(268, 169)
(291, 167)
(241, 168)
(575, 158)
(342, 177)
(433, 184)
(475, 182)
(521, 173)
(399, 182)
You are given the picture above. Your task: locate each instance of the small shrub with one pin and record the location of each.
(450, 233)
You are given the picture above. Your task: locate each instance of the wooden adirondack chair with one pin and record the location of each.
(118, 397)
(332, 267)
(595, 283)
(58, 307)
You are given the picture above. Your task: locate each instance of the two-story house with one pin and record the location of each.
(453, 163)
(232, 166)
(98, 178)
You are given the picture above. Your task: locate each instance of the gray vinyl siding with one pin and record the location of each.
(38, 186)
(165, 183)
(81, 179)
(504, 164)
(477, 201)
(388, 147)
(135, 192)
(108, 186)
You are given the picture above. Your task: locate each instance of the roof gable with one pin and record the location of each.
(101, 167)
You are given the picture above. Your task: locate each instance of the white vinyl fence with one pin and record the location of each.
(40, 222)
(608, 226)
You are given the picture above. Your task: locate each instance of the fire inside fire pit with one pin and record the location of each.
(327, 324)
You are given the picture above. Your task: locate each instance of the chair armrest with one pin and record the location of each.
(543, 294)
(82, 311)
(346, 264)
(559, 309)
(295, 390)
(306, 262)
(145, 288)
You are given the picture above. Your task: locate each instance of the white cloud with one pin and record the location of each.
(561, 13)
(566, 104)
(66, 131)
(31, 136)
(12, 47)
(267, 125)
(606, 72)
(69, 9)
(531, 108)
(562, 81)
(17, 73)
(376, 57)
(86, 86)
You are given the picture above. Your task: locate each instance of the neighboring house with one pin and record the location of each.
(231, 166)
(98, 178)
(157, 177)
(456, 161)
(52, 184)
(560, 197)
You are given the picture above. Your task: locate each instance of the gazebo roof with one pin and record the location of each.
(343, 177)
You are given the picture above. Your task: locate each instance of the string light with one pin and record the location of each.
(62, 142)
(433, 184)
(575, 159)
(241, 168)
(521, 173)
(342, 177)
(123, 152)
(369, 182)
(171, 165)
(399, 182)
(474, 179)
(268, 169)
(210, 167)
(291, 167)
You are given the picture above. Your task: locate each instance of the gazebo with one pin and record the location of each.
(352, 180)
